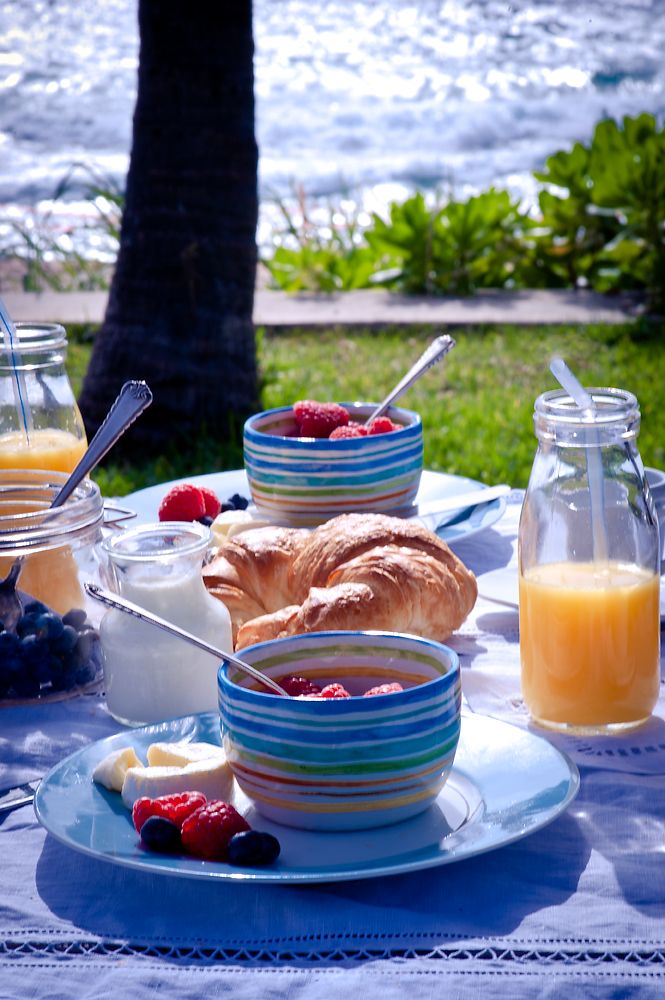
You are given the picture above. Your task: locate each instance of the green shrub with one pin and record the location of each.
(605, 224)
(451, 250)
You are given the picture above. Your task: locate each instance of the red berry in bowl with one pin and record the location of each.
(384, 689)
(207, 832)
(352, 430)
(383, 425)
(183, 502)
(334, 691)
(296, 686)
(176, 807)
(318, 420)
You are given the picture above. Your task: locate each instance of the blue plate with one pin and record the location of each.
(454, 525)
(505, 783)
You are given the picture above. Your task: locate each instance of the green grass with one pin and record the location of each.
(476, 406)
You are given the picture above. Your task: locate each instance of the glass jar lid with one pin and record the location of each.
(27, 520)
(33, 338)
(614, 418)
(162, 540)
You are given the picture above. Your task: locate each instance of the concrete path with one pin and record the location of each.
(367, 308)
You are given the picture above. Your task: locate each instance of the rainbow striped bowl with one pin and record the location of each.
(304, 481)
(348, 763)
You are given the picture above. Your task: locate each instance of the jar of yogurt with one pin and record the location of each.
(150, 675)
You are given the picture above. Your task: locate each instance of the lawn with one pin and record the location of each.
(476, 406)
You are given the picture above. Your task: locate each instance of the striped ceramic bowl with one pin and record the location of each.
(348, 763)
(303, 481)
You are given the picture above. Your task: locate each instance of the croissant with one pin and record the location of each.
(356, 571)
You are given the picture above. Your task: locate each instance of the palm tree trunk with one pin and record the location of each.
(180, 305)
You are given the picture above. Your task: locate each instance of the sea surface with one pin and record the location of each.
(364, 98)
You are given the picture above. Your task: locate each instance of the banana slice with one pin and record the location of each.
(111, 771)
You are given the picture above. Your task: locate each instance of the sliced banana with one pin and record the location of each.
(111, 771)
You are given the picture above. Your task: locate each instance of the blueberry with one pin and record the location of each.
(76, 618)
(252, 848)
(9, 646)
(35, 608)
(161, 834)
(239, 502)
(50, 624)
(63, 644)
(227, 506)
(206, 519)
(28, 624)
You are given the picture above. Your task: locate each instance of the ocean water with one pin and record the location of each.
(371, 98)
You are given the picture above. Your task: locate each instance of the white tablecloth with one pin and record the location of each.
(576, 909)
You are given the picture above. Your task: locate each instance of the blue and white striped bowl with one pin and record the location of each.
(304, 481)
(351, 763)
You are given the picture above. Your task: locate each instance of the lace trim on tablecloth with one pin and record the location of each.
(647, 958)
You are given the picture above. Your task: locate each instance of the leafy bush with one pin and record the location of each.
(605, 226)
(324, 255)
(600, 224)
(455, 249)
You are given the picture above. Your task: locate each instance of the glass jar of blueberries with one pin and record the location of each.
(48, 644)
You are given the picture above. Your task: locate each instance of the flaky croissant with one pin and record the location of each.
(356, 571)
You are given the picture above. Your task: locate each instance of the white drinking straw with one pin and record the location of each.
(21, 402)
(584, 401)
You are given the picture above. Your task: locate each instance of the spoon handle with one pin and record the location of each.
(121, 604)
(132, 400)
(436, 350)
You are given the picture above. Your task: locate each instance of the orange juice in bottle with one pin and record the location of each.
(590, 642)
(52, 449)
(589, 569)
(40, 423)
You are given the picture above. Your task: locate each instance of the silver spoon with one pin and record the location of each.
(132, 400)
(436, 350)
(121, 604)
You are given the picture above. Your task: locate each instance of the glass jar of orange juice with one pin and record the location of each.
(589, 569)
(46, 431)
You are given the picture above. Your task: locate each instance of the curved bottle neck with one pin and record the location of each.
(558, 420)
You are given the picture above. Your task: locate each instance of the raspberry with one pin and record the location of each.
(207, 832)
(335, 691)
(182, 503)
(352, 430)
(211, 501)
(318, 420)
(384, 689)
(383, 425)
(176, 807)
(296, 686)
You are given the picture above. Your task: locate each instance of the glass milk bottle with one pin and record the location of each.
(589, 569)
(46, 431)
(150, 675)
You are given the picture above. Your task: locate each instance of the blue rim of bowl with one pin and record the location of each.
(414, 426)
(450, 676)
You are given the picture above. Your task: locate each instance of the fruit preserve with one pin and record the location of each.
(47, 642)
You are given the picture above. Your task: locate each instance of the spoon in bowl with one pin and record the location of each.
(436, 350)
(121, 604)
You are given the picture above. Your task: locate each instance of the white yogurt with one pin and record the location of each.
(150, 675)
